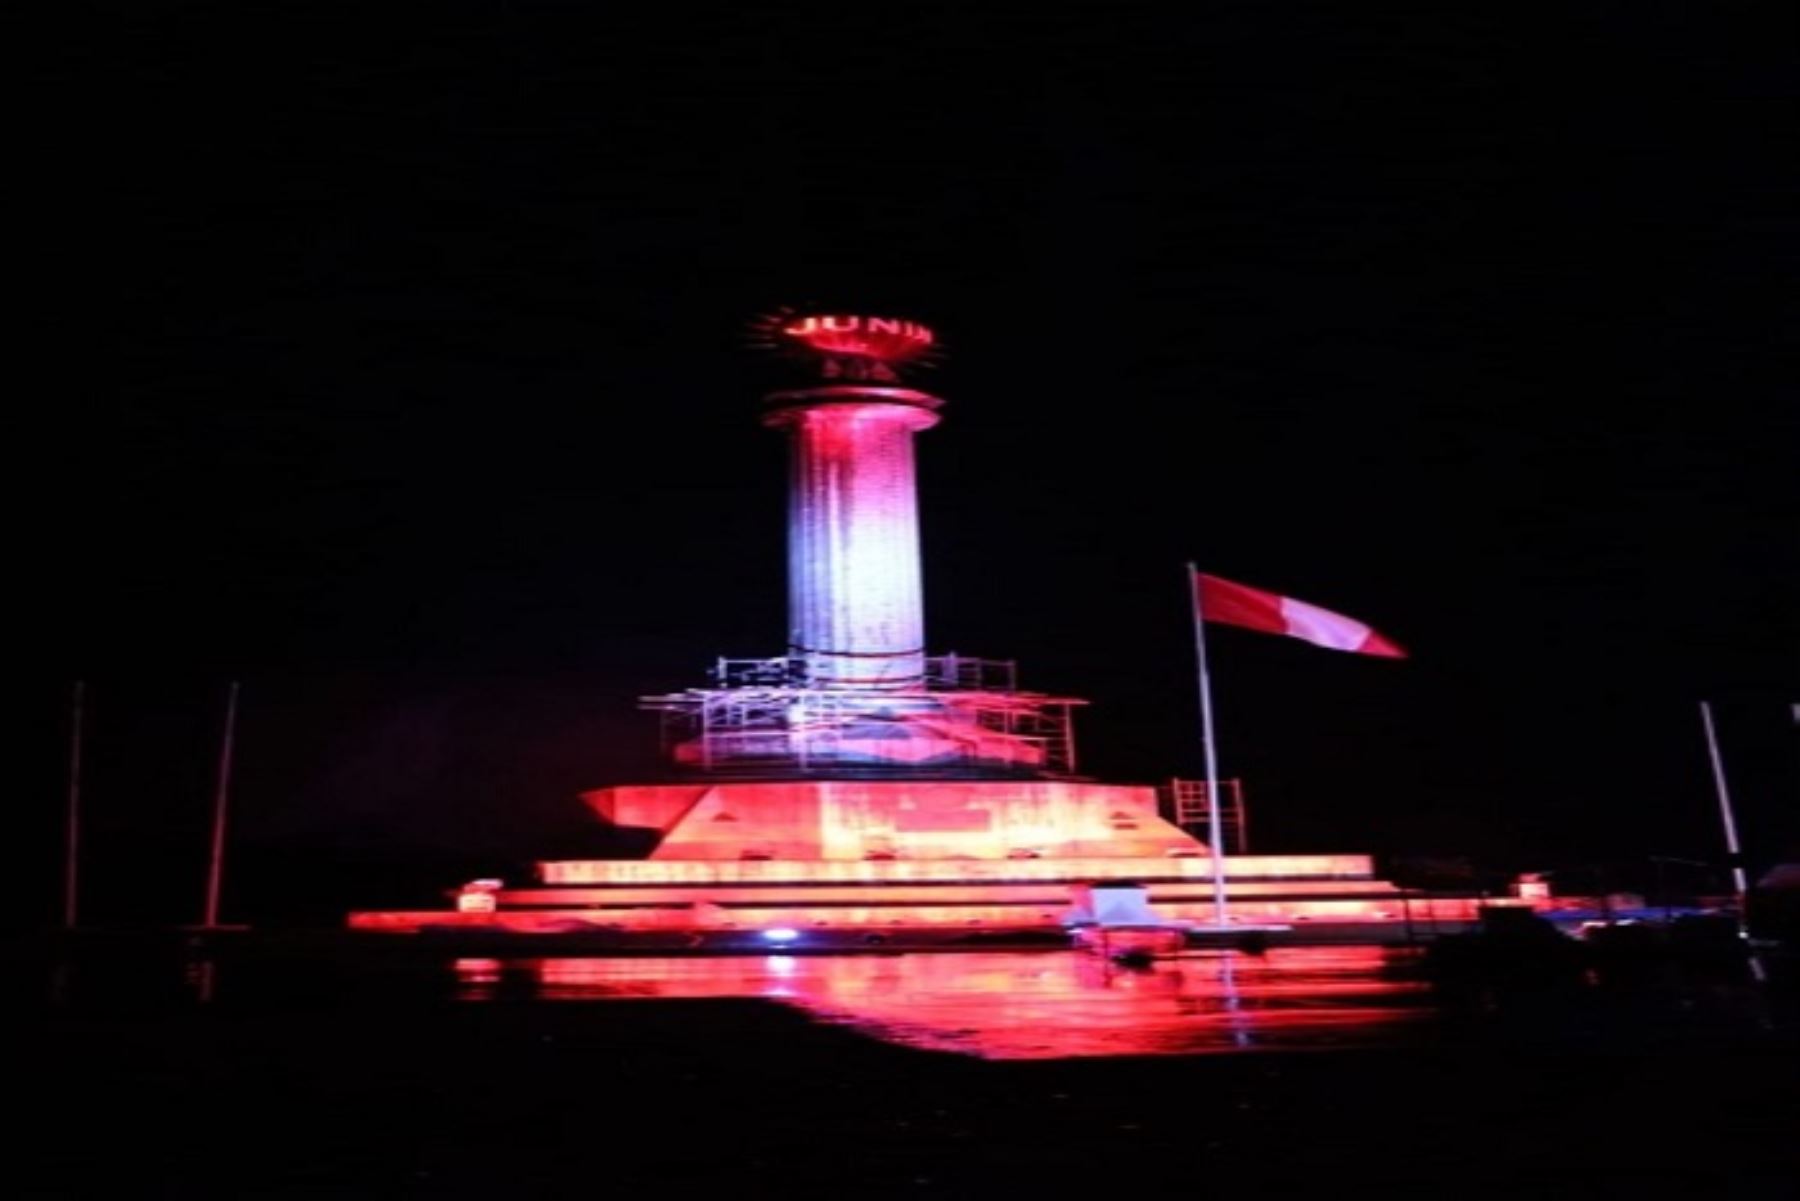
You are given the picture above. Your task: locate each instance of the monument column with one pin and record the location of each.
(855, 600)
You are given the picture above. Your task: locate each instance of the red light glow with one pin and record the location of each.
(996, 1005)
(884, 339)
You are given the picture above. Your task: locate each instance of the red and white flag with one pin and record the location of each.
(1253, 609)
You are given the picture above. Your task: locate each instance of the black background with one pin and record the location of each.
(387, 358)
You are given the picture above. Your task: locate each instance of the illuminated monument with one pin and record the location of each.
(856, 691)
(856, 746)
(856, 785)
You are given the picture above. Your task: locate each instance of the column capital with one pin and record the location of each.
(781, 409)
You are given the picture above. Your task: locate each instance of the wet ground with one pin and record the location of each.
(1341, 1072)
(1025, 1005)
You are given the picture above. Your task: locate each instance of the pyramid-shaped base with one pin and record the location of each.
(895, 856)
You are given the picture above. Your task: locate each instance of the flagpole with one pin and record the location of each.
(1738, 879)
(1215, 848)
(215, 866)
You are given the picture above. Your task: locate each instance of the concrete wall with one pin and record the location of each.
(936, 819)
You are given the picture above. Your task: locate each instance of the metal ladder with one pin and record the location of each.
(1187, 799)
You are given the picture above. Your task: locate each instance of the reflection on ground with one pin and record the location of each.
(1023, 1005)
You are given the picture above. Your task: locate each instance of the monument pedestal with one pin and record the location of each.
(895, 857)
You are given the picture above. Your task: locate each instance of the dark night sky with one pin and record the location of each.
(393, 367)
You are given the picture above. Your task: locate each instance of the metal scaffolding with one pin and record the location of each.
(969, 718)
(1185, 803)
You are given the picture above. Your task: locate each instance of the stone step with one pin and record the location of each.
(948, 871)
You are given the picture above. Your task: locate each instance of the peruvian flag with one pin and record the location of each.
(1252, 608)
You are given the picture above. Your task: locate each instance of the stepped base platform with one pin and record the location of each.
(924, 862)
(767, 901)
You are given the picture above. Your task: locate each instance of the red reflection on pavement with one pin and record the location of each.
(1032, 1005)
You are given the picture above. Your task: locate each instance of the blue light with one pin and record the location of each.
(780, 934)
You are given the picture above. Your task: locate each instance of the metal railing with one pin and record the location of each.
(943, 673)
(966, 716)
(1186, 803)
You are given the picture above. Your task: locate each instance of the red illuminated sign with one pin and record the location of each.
(889, 339)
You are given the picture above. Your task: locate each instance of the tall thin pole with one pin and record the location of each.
(72, 840)
(1215, 849)
(216, 863)
(1738, 880)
